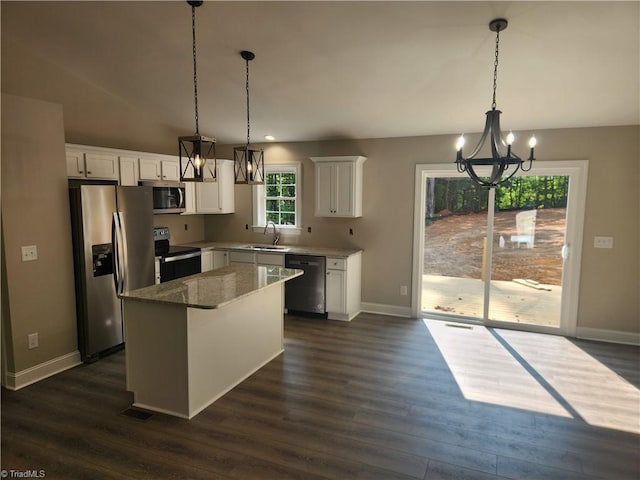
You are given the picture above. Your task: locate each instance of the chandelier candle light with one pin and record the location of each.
(248, 160)
(499, 161)
(197, 153)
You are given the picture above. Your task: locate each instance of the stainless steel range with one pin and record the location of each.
(175, 262)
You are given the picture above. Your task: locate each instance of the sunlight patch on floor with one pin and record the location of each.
(487, 372)
(516, 369)
(613, 401)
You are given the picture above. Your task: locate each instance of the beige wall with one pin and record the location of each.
(37, 296)
(610, 282)
(28, 74)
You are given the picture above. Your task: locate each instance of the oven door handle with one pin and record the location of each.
(184, 256)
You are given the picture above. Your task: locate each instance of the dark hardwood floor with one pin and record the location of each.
(376, 398)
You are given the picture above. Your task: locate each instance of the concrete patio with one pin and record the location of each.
(510, 301)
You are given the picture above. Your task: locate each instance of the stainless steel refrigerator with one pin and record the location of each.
(113, 251)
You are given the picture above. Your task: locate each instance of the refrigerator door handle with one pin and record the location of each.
(123, 251)
(118, 240)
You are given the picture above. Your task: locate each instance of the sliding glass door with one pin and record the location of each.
(500, 256)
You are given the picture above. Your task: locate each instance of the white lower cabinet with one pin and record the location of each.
(254, 258)
(213, 259)
(343, 287)
(157, 270)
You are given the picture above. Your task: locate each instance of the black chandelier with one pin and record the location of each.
(500, 160)
(197, 153)
(248, 160)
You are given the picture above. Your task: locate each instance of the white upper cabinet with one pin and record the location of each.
(128, 170)
(83, 164)
(338, 186)
(156, 169)
(213, 197)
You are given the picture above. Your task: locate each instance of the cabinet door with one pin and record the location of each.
(101, 165)
(206, 260)
(336, 298)
(207, 198)
(324, 190)
(170, 170)
(128, 171)
(343, 189)
(75, 164)
(242, 257)
(220, 259)
(149, 169)
(226, 186)
(270, 259)
(189, 198)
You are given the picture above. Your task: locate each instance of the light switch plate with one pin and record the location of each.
(603, 242)
(29, 253)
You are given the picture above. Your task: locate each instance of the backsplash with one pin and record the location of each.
(184, 229)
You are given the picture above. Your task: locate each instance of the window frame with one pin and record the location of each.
(260, 201)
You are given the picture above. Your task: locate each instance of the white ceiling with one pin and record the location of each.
(327, 70)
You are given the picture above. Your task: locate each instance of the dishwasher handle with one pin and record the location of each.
(302, 262)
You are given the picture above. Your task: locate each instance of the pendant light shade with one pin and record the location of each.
(248, 160)
(502, 164)
(197, 153)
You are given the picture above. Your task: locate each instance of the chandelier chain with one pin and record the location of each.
(247, 88)
(495, 70)
(195, 71)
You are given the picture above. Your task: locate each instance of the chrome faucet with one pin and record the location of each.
(276, 233)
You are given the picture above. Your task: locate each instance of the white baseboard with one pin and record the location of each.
(16, 381)
(613, 336)
(382, 309)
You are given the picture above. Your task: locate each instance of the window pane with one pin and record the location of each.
(288, 219)
(289, 178)
(272, 205)
(272, 178)
(288, 206)
(289, 191)
(273, 217)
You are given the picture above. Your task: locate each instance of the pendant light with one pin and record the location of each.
(502, 158)
(197, 153)
(248, 160)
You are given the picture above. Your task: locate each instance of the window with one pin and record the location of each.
(279, 199)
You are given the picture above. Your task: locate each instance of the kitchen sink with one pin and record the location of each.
(270, 248)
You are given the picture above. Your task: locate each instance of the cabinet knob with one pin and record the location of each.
(88, 173)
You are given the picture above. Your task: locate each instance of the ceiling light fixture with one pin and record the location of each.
(499, 161)
(248, 160)
(197, 153)
(269, 138)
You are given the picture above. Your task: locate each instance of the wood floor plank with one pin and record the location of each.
(375, 398)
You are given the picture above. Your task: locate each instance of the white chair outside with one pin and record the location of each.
(525, 228)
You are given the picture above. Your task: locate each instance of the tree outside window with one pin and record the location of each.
(281, 197)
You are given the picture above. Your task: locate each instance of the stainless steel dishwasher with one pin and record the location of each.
(307, 292)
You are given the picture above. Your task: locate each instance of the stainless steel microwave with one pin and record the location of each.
(168, 197)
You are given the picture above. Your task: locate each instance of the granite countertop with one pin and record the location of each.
(295, 249)
(214, 289)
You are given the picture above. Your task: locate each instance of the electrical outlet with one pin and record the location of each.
(403, 290)
(29, 253)
(33, 340)
(603, 242)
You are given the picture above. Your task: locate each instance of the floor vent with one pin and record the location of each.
(457, 325)
(137, 414)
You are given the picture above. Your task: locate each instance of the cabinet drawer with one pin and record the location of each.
(336, 263)
(270, 259)
(242, 257)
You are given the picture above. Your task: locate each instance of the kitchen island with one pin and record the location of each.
(191, 340)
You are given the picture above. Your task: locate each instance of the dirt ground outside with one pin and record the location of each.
(454, 244)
